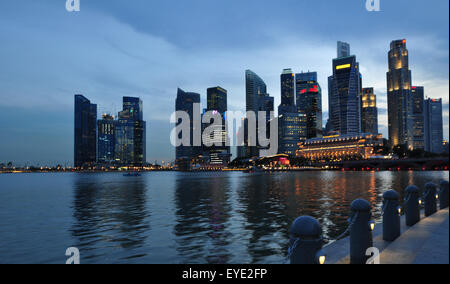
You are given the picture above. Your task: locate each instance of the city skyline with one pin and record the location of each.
(43, 122)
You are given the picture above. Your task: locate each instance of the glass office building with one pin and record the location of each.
(418, 119)
(344, 95)
(291, 130)
(85, 136)
(309, 103)
(369, 112)
(106, 141)
(434, 129)
(287, 92)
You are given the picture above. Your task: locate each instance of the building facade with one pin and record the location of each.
(434, 129)
(309, 103)
(344, 95)
(130, 146)
(106, 140)
(369, 112)
(343, 49)
(287, 79)
(338, 148)
(85, 136)
(418, 118)
(291, 129)
(399, 95)
(186, 153)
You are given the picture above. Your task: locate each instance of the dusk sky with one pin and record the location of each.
(116, 48)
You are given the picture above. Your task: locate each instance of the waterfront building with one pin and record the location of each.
(434, 129)
(344, 95)
(130, 134)
(399, 96)
(106, 129)
(418, 118)
(309, 102)
(219, 156)
(85, 136)
(369, 112)
(287, 92)
(341, 147)
(186, 153)
(291, 129)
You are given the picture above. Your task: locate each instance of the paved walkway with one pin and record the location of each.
(425, 243)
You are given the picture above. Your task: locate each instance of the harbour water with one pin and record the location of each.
(171, 217)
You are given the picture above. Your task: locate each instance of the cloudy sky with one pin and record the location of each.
(116, 48)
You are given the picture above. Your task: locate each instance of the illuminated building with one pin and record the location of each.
(309, 102)
(418, 119)
(345, 147)
(369, 112)
(434, 132)
(399, 95)
(217, 103)
(287, 92)
(344, 95)
(106, 129)
(292, 128)
(85, 136)
(130, 138)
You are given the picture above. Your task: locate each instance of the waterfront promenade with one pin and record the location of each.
(424, 243)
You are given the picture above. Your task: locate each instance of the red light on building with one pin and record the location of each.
(303, 91)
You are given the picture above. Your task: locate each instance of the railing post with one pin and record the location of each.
(412, 203)
(430, 198)
(306, 242)
(391, 215)
(361, 231)
(443, 194)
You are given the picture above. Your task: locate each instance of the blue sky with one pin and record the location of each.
(115, 48)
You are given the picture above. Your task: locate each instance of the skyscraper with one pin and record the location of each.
(287, 92)
(369, 112)
(185, 153)
(85, 138)
(106, 129)
(344, 95)
(130, 149)
(291, 131)
(309, 103)
(343, 49)
(217, 102)
(434, 131)
(418, 119)
(399, 95)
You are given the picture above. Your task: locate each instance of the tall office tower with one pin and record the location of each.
(287, 92)
(85, 138)
(369, 112)
(185, 102)
(217, 102)
(291, 131)
(399, 95)
(256, 100)
(106, 129)
(434, 129)
(343, 49)
(130, 149)
(344, 95)
(418, 128)
(309, 102)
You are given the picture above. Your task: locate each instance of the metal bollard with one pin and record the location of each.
(443, 194)
(430, 198)
(306, 242)
(412, 203)
(391, 215)
(361, 231)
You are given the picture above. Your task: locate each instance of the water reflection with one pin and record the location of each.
(109, 214)
(202, 214)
